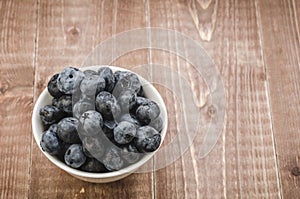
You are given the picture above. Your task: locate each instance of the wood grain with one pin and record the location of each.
(243, 163)
(255, 46)
(17, 34)
(67, 32)
(281, 47)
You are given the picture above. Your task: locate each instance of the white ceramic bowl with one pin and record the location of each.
(37, 129)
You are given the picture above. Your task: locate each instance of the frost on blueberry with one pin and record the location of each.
(74, 156)
(69, 80)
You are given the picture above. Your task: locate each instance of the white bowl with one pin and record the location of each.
(37, 129)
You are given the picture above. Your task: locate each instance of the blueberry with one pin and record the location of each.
(63, 148)
(157, 124)
(138, 102)
(126, 99)
(67, 130)
(147, 112)
(107, 105)
(89, 72)
(129, 118)
(50, 114)
(147, 139)
(53, 128)
(128, 82)
(107, 74)
(52, 87)
(82, 106)
(94, 145)
(63, 103)
(74, 156)
(112, 159)
(124, 132)
(93, 165)
(50, 142)
(69, 80)
(130, 154)
(91, 123)
(92, 85)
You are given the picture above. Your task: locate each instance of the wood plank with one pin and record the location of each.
(16, 94)
(67, 32)
(243, 163)
(281, 47)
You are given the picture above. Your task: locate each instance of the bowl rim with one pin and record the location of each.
(37, 125)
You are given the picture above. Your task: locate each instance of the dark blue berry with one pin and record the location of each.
(69, 80)
(147, 139)
(52, 87)
(107, 105)
(92, 85)
(50, 142)
(67, 130)
(107, 74)
(63, 103)
(157, 124)
(74, 156)
(112, 159)
(147, 112)
(53, 128)
(91, 123)
(93, 165)
(138, 102)
(50, 114)
(124, 132)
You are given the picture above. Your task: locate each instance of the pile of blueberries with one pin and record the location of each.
(99, 121)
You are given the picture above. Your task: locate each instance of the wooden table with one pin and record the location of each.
(255, 46)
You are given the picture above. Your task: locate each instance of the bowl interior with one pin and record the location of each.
(45, 99)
